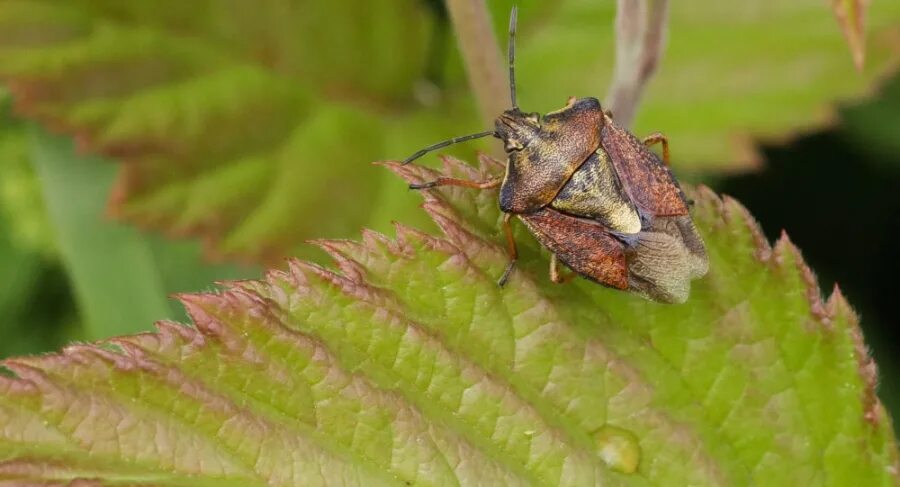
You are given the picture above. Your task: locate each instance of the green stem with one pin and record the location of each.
(482, 56)
(640, 40)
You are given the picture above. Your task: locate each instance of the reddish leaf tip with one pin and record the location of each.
(338, 251)
(490, 164)
(197, 307)
(784, 252)
(389, 163)
(407, 235)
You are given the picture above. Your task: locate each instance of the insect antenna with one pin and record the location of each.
(445, 143)
(511, 52)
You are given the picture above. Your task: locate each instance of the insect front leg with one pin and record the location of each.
(466, 183)
(659, 138)
(555, 274)
(510, 249)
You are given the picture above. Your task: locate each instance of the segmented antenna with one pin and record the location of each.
(511, 51)
(439, 145)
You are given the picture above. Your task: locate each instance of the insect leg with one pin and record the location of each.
(466, 183)
(510, 249)
(555, 275)
(659, 138)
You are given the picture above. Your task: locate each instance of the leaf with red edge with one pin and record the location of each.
(406, 364)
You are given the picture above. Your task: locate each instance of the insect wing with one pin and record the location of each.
(585, 246)
(646, 179)
(665, 258)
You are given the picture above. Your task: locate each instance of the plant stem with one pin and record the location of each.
(640, 40)
(482, 56)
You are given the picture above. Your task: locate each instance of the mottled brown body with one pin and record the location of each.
(543, 154)
(595, 196)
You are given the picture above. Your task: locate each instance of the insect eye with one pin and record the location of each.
(513, 145)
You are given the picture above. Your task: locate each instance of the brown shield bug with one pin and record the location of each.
(593, 194)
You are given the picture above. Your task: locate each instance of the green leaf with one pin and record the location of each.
(109, 263)
(29, 308)
(232, 128)
(21, 201)
(408, 365)
(96, 252)
(34, 303)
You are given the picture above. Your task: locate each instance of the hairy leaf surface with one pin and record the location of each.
(406, 364)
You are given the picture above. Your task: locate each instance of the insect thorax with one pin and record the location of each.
(596, 192)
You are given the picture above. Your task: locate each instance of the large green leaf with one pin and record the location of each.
(408, 365)
(238, 121)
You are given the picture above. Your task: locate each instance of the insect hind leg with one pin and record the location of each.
(659, 138)
(555, 273)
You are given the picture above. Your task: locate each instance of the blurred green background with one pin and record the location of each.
(153, 147)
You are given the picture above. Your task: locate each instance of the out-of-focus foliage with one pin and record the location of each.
(409, 365)
(121, 279)
(21, 201)
(851, 16)
(36, 312)
(223, 123)
(252, 123)
(874, 126)
(72, 254)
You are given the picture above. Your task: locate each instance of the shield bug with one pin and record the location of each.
(593, 194)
